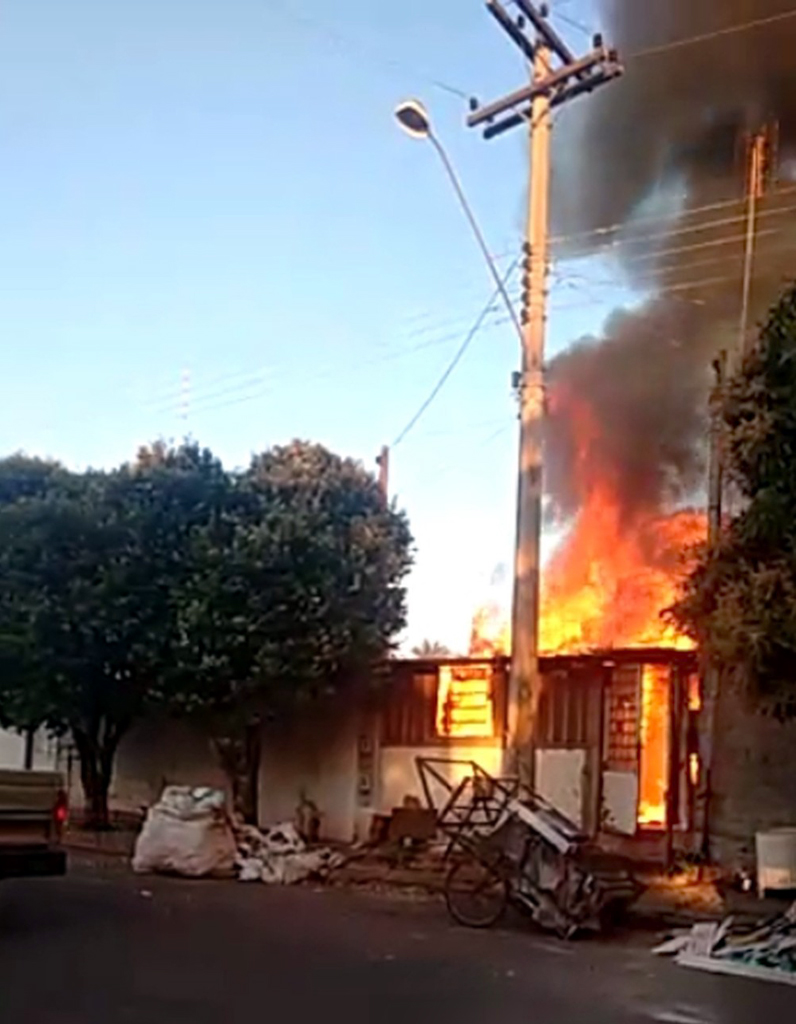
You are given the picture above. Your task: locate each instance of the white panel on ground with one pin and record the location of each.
(559, 779)
(620, 801)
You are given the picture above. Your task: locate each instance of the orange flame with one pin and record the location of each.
(490, 632)
(608, 583)
(615, 572)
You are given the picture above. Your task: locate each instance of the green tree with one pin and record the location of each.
(92, 566)
(295, 592)
(740, 601)
(171, 584)
(431, 649)
(22, 476)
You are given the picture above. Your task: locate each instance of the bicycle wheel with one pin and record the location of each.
(476, 894)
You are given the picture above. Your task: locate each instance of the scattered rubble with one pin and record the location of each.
(279, 856)
(188, 832)
(766, 951)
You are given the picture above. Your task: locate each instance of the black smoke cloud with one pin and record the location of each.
(668, 138)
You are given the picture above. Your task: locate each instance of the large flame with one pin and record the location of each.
(618, 568)
(609, 581)
(490, 632)
(622, 560)
(606, 585)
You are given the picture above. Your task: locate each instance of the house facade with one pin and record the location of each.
(614, 747)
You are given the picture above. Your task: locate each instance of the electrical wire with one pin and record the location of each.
(698, 246)
(556, 12)
(457, 357)
(653, 276)
(704, 37)
(651, 221)
(704, 226)
(357, 50)
(689, 286)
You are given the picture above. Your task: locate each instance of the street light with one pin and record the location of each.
(413, 117)
(415, 120)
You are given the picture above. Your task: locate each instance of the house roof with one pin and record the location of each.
(687, 659)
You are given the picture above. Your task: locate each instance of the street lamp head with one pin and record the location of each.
(413, 117)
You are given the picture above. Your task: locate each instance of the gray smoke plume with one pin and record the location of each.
(670, 137)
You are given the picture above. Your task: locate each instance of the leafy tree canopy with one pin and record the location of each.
(431, 649)
(740, 601)
(170, 583)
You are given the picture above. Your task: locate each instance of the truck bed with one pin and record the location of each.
(29, 832)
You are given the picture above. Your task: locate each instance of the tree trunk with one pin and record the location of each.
(30, 736)
(96, 770)
(240, 758)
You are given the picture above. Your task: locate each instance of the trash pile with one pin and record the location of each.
(279, 856)
(188, 832)
(766, 951)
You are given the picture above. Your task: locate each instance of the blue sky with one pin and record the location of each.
(210, 201)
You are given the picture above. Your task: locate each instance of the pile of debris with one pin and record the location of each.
(766, 951)
(189, 832)
(279, 856)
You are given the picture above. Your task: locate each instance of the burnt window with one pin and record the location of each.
(465, 703)
(563, 711)
(622, 720)
(448, 704)
(408, 717)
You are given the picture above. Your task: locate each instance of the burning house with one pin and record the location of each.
(626, 428)
(651, 195)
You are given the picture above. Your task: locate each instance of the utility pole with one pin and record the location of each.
(710, 672)
(558, 77)
(754, 193)
(383, 462)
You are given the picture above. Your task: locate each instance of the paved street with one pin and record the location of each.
(104, 947)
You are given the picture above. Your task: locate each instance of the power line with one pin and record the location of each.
(697, 246)
(625, 244)
(336, 369)
(496, 294)
(356, 49)
(704, 226)
(689, 286)
(261, 377)
(654, 275)
(705, 37)
(608, 229)
(443, 469)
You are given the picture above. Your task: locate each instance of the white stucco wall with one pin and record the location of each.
(319, 758)
(154, 754)
(12, 750)
(398, 777)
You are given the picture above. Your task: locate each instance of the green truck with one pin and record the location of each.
(33, 812)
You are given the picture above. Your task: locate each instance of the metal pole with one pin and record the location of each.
(754, 192)
(479, 235)
(383, 462)
(710, 673)
(524, 679)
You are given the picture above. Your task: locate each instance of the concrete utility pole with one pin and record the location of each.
(710, 672)
(383, 462)
(558, 77)
(754, 192)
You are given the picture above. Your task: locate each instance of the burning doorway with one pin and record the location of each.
(614, 740)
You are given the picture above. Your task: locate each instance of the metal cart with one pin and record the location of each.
(506, 845)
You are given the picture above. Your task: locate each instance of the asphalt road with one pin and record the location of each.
(104, 947)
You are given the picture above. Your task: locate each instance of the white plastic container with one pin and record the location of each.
(776, 860)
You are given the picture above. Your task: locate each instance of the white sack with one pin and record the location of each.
(186, 833)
